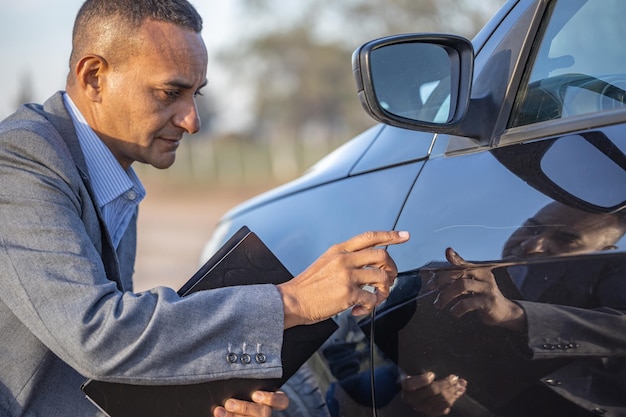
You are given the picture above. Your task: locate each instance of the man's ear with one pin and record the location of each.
(90, 75)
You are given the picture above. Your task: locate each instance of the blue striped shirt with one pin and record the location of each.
(118, 192)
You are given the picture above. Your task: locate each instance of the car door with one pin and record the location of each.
(553, 76)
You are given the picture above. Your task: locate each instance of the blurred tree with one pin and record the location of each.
(296, 55)
(301, 85)
(25, 90)
(206, 112)
(196, 154)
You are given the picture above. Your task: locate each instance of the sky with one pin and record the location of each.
(35, 42)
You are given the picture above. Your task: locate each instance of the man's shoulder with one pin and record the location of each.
(28, 120)
(39, 122)
(38, 132)
(26, 115)
(33, 116)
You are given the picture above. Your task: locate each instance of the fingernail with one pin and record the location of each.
(257, 397)
(454, 379)
(403, 234)
(229, 405)
(219, 412)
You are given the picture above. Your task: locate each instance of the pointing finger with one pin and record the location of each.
(370, 239)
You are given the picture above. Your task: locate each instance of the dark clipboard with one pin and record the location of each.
(243, 260)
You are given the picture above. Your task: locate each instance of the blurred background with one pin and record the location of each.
(280, 96)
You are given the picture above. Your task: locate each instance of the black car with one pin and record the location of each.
(509, 152)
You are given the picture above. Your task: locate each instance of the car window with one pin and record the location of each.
(579, 65)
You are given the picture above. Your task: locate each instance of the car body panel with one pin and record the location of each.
(310, 223)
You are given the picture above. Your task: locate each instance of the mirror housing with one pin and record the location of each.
(416, 81)
(576, 164)
(586, 171)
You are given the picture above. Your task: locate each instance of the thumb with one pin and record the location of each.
(455, 259)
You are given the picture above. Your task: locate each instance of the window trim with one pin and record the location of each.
(562, 126)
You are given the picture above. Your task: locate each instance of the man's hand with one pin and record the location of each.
(474, 288)
(432, 397)
(336, 280)
(264, 403)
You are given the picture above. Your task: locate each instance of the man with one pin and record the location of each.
(68, 204)
(570, 309)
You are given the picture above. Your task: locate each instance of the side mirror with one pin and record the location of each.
(590, 168)
(586, 171)
(417, 81)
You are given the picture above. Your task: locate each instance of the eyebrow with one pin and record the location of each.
(567, 235)
(560, 232)
(183, 85)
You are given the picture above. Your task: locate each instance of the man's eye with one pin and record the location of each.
(171, 93)
(570, 242)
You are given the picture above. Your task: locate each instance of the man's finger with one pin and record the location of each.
(413, 382)
(454, 258)
(277, 400)
(379, 278)
(458, 288)
(235, 407)
(372, 239)
(366, 302)
(377, 260)
(442, 279)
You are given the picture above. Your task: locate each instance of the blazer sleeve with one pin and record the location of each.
(556, 330)
(561, 331)
(53, 280)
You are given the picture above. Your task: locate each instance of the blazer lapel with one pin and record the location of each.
(59, 117)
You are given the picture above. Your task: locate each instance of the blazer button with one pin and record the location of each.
(231, 357)
(245, 359)
(598, 410)
(260, 358)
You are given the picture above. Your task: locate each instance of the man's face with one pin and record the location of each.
(560, 230)
(148, 101)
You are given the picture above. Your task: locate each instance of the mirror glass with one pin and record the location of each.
(580, 164)
(413, 80)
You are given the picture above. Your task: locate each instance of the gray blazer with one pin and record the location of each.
(67, 310)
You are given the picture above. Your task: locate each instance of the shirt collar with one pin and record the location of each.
(109, 180)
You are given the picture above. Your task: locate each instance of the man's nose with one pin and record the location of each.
(188, 118)
(534, 245)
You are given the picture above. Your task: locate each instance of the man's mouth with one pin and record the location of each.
(171, 141)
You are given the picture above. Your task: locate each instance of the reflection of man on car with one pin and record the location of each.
(425, 395)
(561, 230)
(570, 309)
